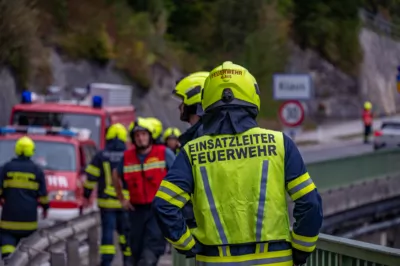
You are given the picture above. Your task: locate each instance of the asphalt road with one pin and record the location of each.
(334, 150)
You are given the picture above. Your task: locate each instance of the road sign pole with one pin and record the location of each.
(291, 115)
(292, 88)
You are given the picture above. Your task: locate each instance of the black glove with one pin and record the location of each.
(299, 257)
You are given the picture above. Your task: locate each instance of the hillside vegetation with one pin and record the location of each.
(190, 34)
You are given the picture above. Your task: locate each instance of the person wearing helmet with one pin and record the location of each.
(188, 90)
(157, 129)
(142, 168)
(367, 120)
(238, 175)
(22, 188)
(113, 216)
(171, 139)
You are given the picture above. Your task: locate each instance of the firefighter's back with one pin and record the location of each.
(22, 187)
(20, 193)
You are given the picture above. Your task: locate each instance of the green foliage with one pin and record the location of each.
(331, 27)
(20, 46)
(193, 35)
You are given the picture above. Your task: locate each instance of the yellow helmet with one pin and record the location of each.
(157, 127)
(230, 84)
(25, 147)
(138, 120)
(367, 105)
(117, 131)
(171, 132)
(141, 124)
(189, 88)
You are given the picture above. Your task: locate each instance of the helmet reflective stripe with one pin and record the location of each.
(193, 92)
(189, 88)
(25, 147)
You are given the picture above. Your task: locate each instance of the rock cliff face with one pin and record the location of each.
(7, 95)
(379, 71)
(342, 95)
(155, 102)
(67, 74)
(337, 95)
(335, 91)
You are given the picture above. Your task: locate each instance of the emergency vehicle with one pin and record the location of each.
(63, 155)
(101, 106)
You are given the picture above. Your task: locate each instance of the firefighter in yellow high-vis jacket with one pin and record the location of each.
(237, 176)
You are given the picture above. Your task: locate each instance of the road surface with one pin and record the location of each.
(334, 150)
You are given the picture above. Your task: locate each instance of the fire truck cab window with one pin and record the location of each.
(72, 120)
(50, 155)
(88, 153)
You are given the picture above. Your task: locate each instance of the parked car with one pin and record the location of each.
(388, 136)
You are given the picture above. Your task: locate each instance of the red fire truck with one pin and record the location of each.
(104, 105)
(62, 154)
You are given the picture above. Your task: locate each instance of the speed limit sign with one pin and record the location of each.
(291, 113)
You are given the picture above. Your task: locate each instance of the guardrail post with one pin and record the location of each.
(73, 258)
(57, 259)
(93, 240)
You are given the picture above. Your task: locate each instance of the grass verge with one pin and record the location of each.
(350, 136)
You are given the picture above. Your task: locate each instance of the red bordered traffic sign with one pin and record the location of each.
(291, 113)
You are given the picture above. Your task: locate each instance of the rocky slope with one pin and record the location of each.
(339, 95)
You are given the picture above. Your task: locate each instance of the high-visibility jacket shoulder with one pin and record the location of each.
(99, 173)
(23, 188)
(239, 187)
(143, 178)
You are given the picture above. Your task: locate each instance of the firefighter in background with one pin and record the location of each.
(113, 217)
(22, 188)
(142, 168)
(157, 129)
(188, 90)
(239, 184)
(367, 120)
(171, 139)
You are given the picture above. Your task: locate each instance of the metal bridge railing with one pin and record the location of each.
(336, 251)
(72, 243)
(75, 243)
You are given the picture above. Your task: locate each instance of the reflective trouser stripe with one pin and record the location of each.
(262, 200)
(213, 208)
(107, 249)
(7, 249)
(28, 226)
(122, 239)
(127, 252)
(274, 258)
